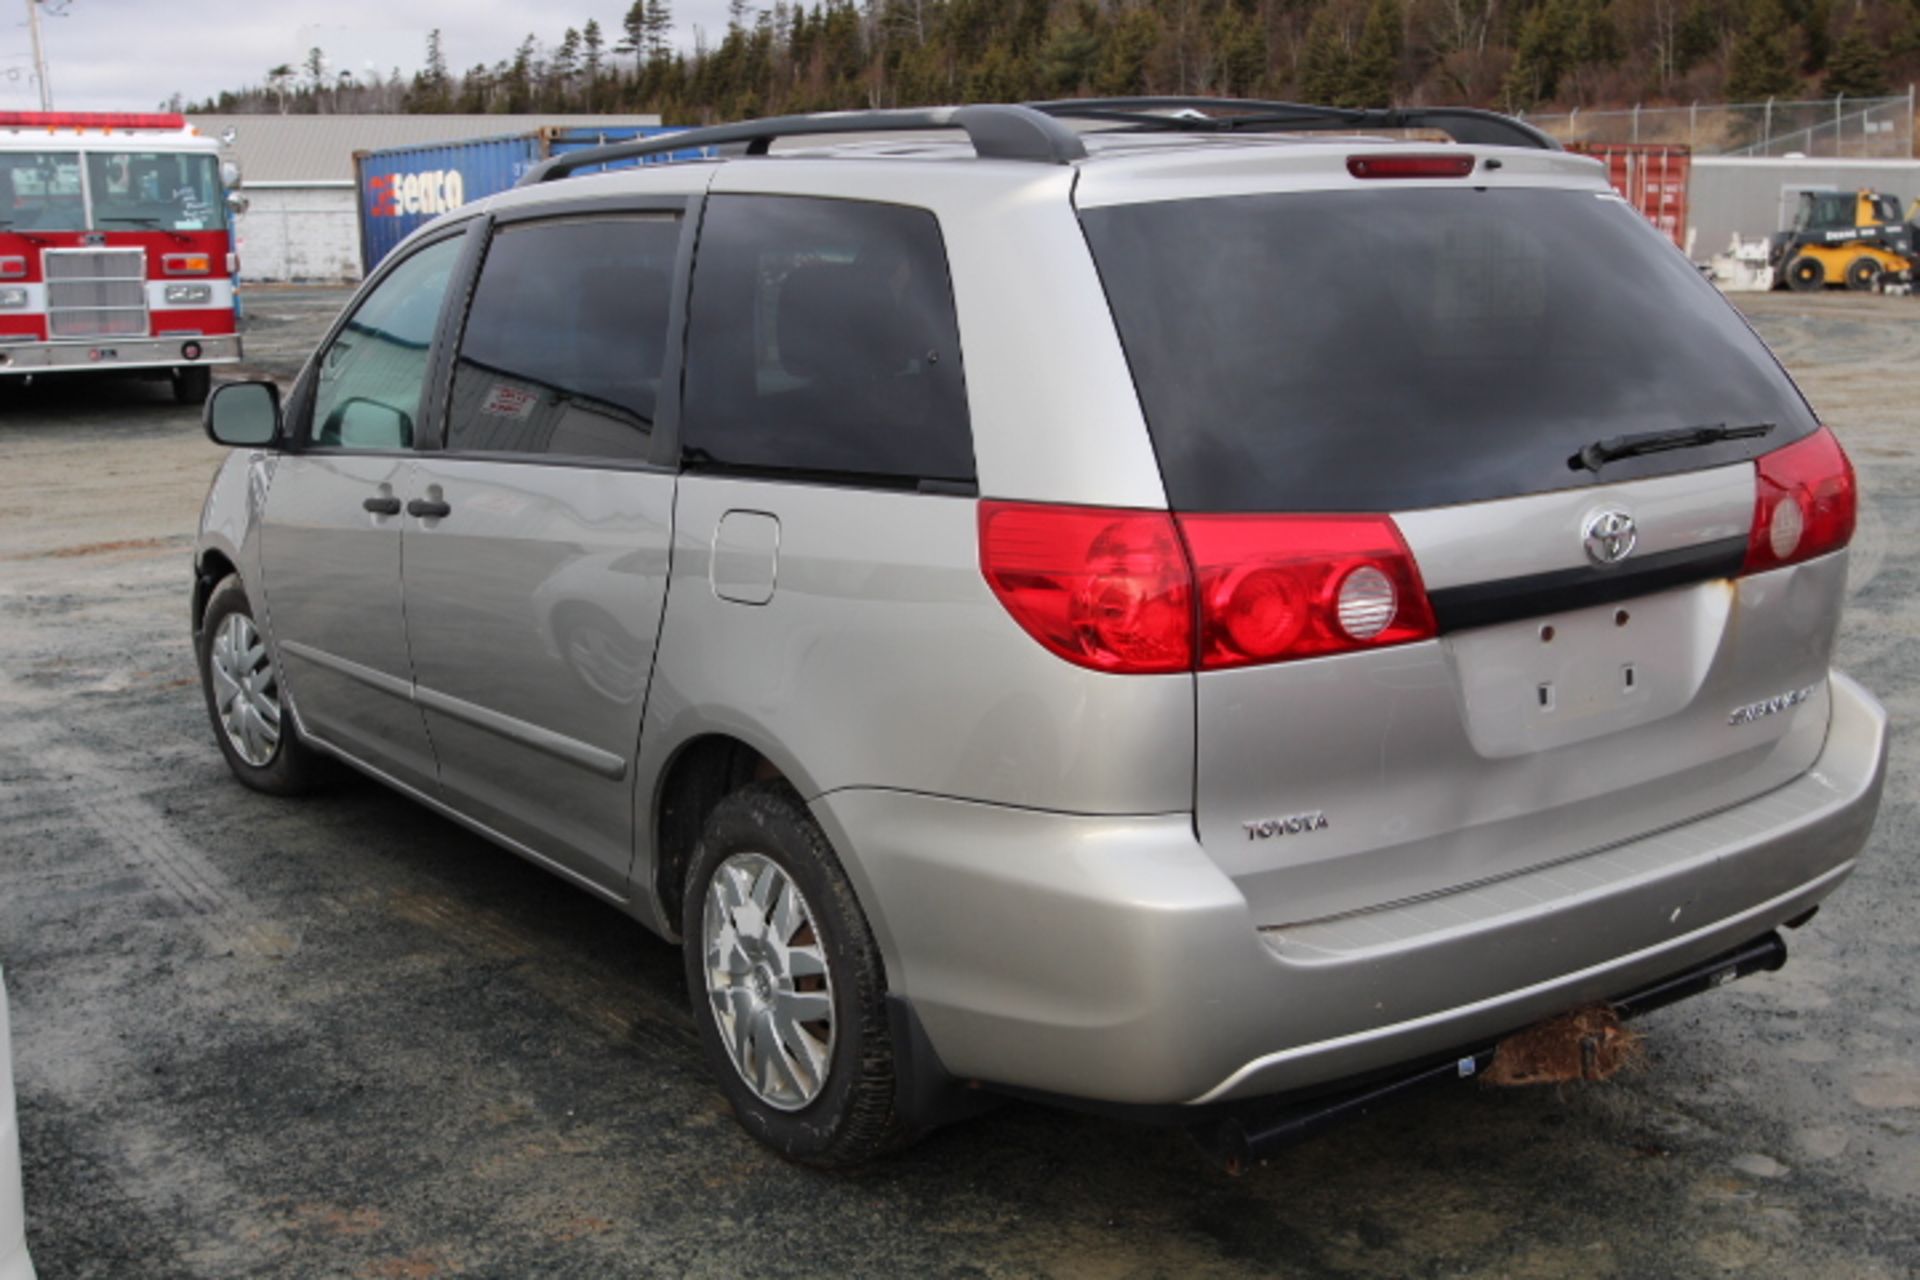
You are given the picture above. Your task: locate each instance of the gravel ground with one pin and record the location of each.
(343, 1037)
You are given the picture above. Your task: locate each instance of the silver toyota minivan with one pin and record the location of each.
(1212, 610)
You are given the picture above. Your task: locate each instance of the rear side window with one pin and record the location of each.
(566, 339)
(821, 339)
(1396, 349)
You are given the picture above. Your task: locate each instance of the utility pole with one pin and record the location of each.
(39, 56)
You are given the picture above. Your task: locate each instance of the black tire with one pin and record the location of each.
(1806, 275)
(853, 1118)
(293, 768)
(1863, 274)
(192, 384)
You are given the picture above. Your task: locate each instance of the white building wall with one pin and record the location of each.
(299, 233)
(1755, 197)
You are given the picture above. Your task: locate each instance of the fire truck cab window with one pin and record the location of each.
(163, 191)
(40, 191)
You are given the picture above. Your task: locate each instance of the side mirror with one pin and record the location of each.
(362, 423)
(244, 414)
(229, 173)
(237, 202)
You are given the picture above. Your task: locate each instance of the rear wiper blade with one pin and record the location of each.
(1601, 452)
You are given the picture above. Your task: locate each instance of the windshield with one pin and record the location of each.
(1825, 211)
(1395, 349)
(40, 191)
(166, 191)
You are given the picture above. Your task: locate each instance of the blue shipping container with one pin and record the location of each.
(404, 188)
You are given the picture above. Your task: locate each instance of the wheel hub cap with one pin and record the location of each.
(767, 981)
(246, 692)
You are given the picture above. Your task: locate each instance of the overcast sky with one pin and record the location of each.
(130, 55)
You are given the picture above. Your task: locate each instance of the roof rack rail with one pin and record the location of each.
(1251, 115)
(1033, 131)
(998, 132)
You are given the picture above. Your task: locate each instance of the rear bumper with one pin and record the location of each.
(115, 353)
(1107, 958)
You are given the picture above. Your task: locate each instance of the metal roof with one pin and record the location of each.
(319, 149)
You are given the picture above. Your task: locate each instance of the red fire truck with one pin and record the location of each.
(115, 251)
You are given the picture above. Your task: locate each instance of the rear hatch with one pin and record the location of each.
(1586, 660)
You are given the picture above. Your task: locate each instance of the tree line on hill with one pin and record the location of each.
(1513, 55)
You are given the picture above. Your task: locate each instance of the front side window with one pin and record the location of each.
(821, 338)
(373, 375)
(566, 340)
(40, 191)
(157, 190)
(1826, 211)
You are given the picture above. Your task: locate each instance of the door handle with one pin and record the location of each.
(383, 506)
(428, 510)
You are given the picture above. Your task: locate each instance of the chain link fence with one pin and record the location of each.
(1849, 128)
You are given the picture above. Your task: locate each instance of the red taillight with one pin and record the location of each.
(12, 268)
(1275, 588)
(1137, 591)
(186, 264)
(1104, 588)
(1415, 166)
(1804, 504)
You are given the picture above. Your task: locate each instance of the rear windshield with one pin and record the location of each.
(1396, 349)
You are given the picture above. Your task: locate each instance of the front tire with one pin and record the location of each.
(787, 986)
(1806, 274)
(192, 385)
(254, 730)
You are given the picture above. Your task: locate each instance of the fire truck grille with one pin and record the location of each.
(96, 293)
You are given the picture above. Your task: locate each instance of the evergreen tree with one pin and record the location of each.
(633, 33)
(1376, 59)
(1595, 39)
(657, 28)
(1069, 59)
(1130, 40)
(566, 66)
(1541, 56)
(1762, 65)
(1324, 65)
(438, 83)
(1240, 50)
(1816, 23)
(1858, 67)
(1698, 36)
(592, 45)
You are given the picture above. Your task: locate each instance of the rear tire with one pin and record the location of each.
(1806, 275)
(779, 930)
(192, 384)
(251, 723)
(1863, 274)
